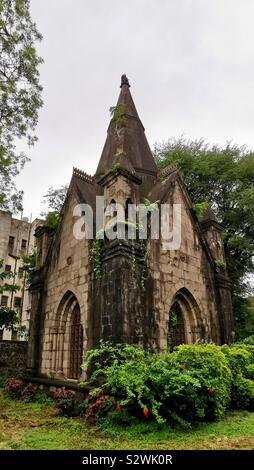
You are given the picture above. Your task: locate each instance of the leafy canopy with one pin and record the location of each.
(224, 179)
(8, 316)
(54, 198)
(20, 94)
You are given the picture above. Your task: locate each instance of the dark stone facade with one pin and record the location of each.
(141, 284)
(121, 303)
(13, 358)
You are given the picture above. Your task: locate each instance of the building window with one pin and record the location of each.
(4, 300)
(14, 335)
(20, 273)
(11, 241)
(23, 244)
(17, 302)
(7, 268)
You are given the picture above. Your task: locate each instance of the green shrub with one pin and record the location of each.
(240, 357)
(43, 399)
(190, 384)
(2, 381)
(248, 340)
(207, 364)
(242, 393)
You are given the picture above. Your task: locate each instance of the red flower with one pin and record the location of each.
(211, 391)
(146, 411)
(118, 408)
(182, 366)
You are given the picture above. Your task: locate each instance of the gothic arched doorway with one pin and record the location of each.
(76, 344)
(176, 330)
(67, 339)
(185, 321)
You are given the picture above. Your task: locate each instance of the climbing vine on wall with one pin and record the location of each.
(95, 256)
(199, 209)
(137, 255)
(117, 114)
(145, 266)
(171, 326)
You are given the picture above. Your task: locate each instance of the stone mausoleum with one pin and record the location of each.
(125, 290)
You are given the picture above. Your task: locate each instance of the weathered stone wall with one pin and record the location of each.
(68, 271)
(122, 310)
(13, 355)
(189, 270)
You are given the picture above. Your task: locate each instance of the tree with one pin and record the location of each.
(223, 178)
(28, 266)
(54, 199)
(20, 94)
(8, 316)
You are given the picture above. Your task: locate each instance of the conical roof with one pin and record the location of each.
(126, 145)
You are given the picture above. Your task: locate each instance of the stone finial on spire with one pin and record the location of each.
(124, 81)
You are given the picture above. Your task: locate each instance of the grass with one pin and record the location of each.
(32, 426)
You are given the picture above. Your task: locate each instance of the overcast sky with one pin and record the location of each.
(190, 64)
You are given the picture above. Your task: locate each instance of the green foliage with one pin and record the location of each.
(149, 205)
(119, 152)
(30, 426)
(8, 316)
(28, 266)
(117, 114)
(5, 276)
(244, 316)
(51, 220)
(116, 166)
(95, 256)
(171, 326)
(192, 383)
(209, 366)
(54, 198)
(242, 393)
(240, 358)
(43, 399)
(220, 263)
(199, 208)
(248, 340)
(20, 94)
(222, 177)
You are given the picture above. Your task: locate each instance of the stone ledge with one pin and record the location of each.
(69, 384)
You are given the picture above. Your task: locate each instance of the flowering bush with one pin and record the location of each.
(28, 393)
(189, 384)
(207, 363)
(99, 404)
(14, 387)
(65, 400)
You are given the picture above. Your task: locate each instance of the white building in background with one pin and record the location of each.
(16, 240)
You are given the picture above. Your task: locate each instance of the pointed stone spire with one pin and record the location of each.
(126, 143)
(124, 81)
